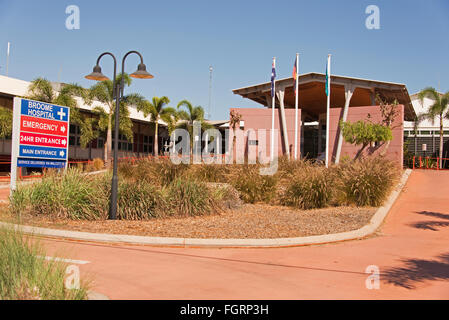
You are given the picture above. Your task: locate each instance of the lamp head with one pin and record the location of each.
(97, 74)
(141, 72)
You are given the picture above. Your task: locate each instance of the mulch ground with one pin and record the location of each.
(250, 221)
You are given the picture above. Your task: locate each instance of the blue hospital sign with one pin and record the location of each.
(31, 163)
(42, 152)
(40, 136)
(44, 110)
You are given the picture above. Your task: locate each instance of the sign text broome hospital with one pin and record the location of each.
(40, 136)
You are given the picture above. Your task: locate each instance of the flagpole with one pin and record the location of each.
(7, 59)
(296, 106)
(273, 94)
(328, 107)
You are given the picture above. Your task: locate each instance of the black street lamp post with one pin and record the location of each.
(97, 75)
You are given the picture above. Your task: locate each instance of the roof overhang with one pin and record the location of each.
(312, 97)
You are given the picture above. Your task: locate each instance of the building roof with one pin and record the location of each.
(19, 88)
(312, 97)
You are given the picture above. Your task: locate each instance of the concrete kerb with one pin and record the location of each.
(92, 295)
(375, 222)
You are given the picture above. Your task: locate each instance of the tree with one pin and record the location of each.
(235, 119)
(158, 110)
(365, 133)
(171, 119)
(389, 112)
(104, 92)
(189, 116)
(439, 109)
(5, 123)
(41, 89)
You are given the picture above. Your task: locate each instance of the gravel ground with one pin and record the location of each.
(250, 221)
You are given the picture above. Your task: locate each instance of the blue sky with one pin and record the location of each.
(180, 39)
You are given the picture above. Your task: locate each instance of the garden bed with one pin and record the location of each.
(251, 221)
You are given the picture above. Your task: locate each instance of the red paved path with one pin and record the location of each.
(414, 238)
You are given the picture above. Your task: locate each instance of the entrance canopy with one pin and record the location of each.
(312, 96)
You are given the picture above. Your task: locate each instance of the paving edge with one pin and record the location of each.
(363, 232)
(92, 295)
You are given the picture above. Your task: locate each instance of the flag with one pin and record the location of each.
(295, 70)
(327, 79)
(273, 76)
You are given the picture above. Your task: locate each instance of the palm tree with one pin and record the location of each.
(41, 89)
(189, 116)
(158, 110)
(5, 122)
(171, 119)
(438, 109)
(104, 92)
(233, 122)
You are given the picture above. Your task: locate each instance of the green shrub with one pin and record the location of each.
(367, 182)
(253, 186)
(309, 188)
(25, 275)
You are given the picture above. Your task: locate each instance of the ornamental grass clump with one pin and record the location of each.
(96, 165)
(160, 172)
(253, 186)
(25, 275)
(71, 195)
(288, 167)
(367, 182)
(309, 188)
(189, 197)
(139, 201)
(209, 172)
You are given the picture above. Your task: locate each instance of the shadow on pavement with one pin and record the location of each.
(417, 271)
(432, 224)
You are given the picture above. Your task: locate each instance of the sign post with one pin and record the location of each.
(39, 137)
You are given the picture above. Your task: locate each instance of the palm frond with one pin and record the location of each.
(40, 89)
(88, 131)
(186, 104)
(428, 91)
(5, 123)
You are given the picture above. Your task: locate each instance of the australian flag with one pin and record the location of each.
(273, 76)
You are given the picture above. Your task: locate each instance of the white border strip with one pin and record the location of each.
(64, 260)
(363, 232)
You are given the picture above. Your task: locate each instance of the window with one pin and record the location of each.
(253, 142)
(148, 144)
